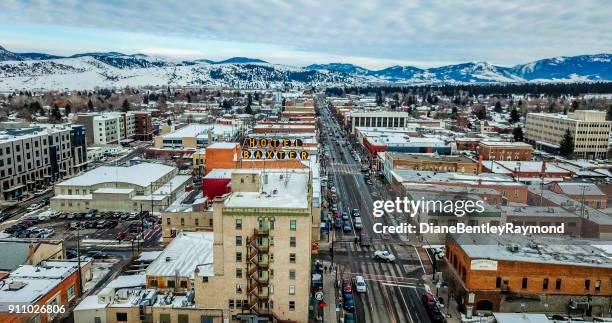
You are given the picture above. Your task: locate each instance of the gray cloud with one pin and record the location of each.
(503, 32)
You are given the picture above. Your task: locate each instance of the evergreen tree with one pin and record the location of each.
(566, 146)
(145, 99)
(379, 98)
(515, 116)
(125, 106)
(575, 105)
(498, 107)
(90, 105)
(56, 116)
(481, 113)
(518, 134)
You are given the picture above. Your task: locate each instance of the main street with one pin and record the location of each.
(394, 288)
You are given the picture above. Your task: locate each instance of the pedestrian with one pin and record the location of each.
(325, 269)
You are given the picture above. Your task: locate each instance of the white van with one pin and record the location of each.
(360, 284)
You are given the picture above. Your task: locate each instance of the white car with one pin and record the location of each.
(333, 189)
(384, 255)
(360, 284)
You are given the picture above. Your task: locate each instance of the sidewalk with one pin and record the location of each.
(329, 312)
(450, 306)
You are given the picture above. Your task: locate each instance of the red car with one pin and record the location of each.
(336, 214)
(347, 286)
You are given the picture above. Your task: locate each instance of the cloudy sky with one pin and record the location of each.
(373, 34)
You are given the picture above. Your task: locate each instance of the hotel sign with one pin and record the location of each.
(278, 149)
(483, 264)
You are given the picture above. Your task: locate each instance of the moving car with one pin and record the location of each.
(358, 223)
(33, 207)
(384, 255)
(349, 318)
(345, 216)
(360, 285)
(347, 226)
(355, 212)
(346, 286)
(364, 240)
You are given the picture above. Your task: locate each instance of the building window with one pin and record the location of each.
(168, 221)
(292, 274)
(154, 282)
(292, 305)
(238, 289)
(558, 284)
(183, 284)
(197, 222)
(205, 279)
(545, 283)
(587, 284)
(238, 256)
(292, 242)
(70, 292)
(524, 283)
(238, 224)
(231, 304)
(291, 289)
(182, 221)
(498, 282)
(292, 225)
(239, 240)
(171, 284)
(121, 317)
(238, 272)
(597, 285)
(292, 258)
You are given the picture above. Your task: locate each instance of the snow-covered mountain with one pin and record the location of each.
(112, 69)
(91, 71)
(577, 68)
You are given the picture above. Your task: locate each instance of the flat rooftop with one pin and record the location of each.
(534, 249)
(186, 252)
(200, 131)
(430, 158)
(286, 189)
(140, 174)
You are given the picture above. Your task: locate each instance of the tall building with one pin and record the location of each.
(143, 130)
(262, 246)
(107, 128)
(589, 128)
(32, 158)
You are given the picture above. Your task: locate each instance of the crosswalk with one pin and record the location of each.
(394, 288)
(339, 168)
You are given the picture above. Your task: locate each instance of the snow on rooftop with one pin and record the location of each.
(149, 255)
(200, 131)
(222, 145)
(128, 281)
(280, 189)
(141, 174)
(534, 249)
(186, 252)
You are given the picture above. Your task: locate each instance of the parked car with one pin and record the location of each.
(74, 225)
(71, 253)
(360, 285)
(47, 233)
(101, 224)
(348, 302)
(33, 207)
(96, 254)
(384, 255)
(347, 286)
(3, 216)
(338, 224)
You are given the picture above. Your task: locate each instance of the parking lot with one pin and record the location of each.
(46, 224)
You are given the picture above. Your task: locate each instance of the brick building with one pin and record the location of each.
(516, 273)
(497, 150)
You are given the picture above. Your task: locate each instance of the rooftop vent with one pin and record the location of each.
(16, 285)
(168, 259)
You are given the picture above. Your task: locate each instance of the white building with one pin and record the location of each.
(589, 128)
(388, 119)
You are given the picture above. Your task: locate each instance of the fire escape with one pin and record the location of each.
(258, 274)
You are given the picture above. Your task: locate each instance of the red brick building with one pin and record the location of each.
(497, 150)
